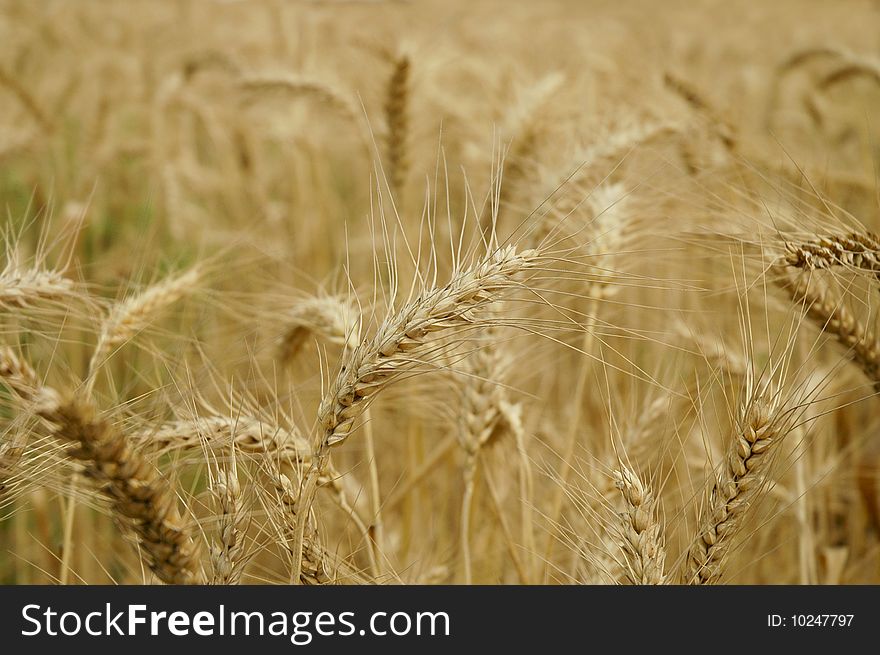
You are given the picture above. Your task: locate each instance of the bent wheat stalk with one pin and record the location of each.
(403, 341)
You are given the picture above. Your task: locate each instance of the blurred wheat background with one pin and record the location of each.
(367, 292)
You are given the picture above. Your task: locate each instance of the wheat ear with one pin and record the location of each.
(640, 530)
(17, 374)
(227, 554)
(131, 316)
(20, 378)
(20, 288)
(481, 420)
(718, 124)
(218, 433)
(403, 341)
(397, 125)
(10, 457)
(523, 126)
(568, 188)
(855, 67)
(831, 316)
(733, 491)
(140, 499)
(330, 318)
(321, 92)
(854, 250)
(307, 566)
(26, 98)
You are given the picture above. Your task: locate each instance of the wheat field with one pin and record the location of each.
(424, 292)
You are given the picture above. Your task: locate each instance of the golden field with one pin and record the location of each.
(367, 292)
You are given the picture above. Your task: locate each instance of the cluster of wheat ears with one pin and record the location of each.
(370, 293)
